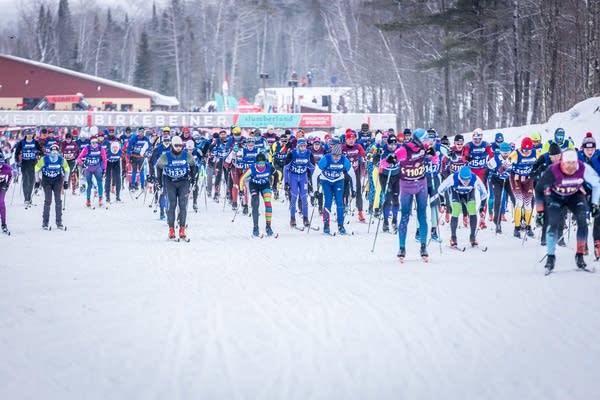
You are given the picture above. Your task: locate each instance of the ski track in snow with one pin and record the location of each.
(111, 309)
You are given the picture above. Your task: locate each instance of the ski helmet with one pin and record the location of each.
(559, 135)
(505, 147)
(526, 144)
(536, 137)
(419, 135)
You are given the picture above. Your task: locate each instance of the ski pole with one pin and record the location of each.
(64, 199)
(379, 219)
(312, 213)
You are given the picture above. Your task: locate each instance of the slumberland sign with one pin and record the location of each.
(204, 120)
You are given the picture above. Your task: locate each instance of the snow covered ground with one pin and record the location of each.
(110, 310)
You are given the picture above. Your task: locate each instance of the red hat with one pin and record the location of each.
(350, 133)
(185, 129)
(75, 132)
(526, 143)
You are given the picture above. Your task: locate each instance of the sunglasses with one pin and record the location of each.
(177, 145)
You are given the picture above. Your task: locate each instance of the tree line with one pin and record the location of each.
(449, 64)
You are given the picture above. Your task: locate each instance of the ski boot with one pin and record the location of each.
(580, 261)
(234, 206)
(482, 224)
(424, 254)
(447, 217)
(377, 213)
(401, 253)
(245, 209)
(394, 226)
(418, 235)
(361, 216)
(99, 201)
(305, 221)
(597, 249)
(543, 241)
(195, 206)
(386, 226)
(503, 217)
(517, 232)
(275, 195)
(550, 259)
(434, 235)
(292, 222)
(341, 229)
(216, 198)
(182, 234)
(453, 242)
(326, 228)
(118, 200)
(255, 231)
(268, 230)
(60, 226)
(498, 229)
(171, 232)
(162, 214)
(491, 217)
(473, 241)
(529, 231)
(561, 242)
(88, 203)
(45, 227)
(4, 229)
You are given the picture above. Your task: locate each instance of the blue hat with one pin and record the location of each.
(499, 137)
(464, 173)
(302, 141)
(505, 147)
(420, 134)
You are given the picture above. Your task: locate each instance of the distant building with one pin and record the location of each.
(306, 99)
(23, 83)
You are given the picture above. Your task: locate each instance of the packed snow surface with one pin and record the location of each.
(110, 309)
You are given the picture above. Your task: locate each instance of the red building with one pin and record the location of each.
(23, 83)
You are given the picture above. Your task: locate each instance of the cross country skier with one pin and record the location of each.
(500, 166)
(27, 152)
(279, 152)
(463, 186)
(191, 148)
(220, 149)
(54, 171)
(5, 178)
(561, 186)
(477, 152)
(297, 165)
(433, 166)
(177, 170)
(521, 184)
(355, 153)
(591, 156)
(560, 140)
(113, 170)
(70, 151)
(135, 151)
(258, 176)
(389, 183)
(93, 158)
(413, 184)
(318, 150)
(330, 170)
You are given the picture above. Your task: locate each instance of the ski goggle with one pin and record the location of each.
(178, 145)
(94, 141)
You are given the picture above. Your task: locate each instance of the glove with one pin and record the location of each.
(65, 185)
(286, 187)
(539, 218)
(595, 210)
(151, 180)
(37, 185)
(482, 208)
(353, 193)
(157, 186)
(192, 182)
(430, 151)
(319, 195)
(391, 159)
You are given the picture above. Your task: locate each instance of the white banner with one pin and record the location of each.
(201, 120)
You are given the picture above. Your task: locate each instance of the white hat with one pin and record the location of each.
(176, 141)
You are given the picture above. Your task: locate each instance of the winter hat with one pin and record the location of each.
(505, 147)
(536, 137)
(569, 155)
(464, 173)
(336, 150)
(445, 141)
(588, 141)
(407, 132)
(420, 134)
(176, 141)
(554, 149)
(316, 139)
(459, 137)
(526, 144)
(392, 139)
(499, 137)
(261, 157)
(301, 141)
(54, 147)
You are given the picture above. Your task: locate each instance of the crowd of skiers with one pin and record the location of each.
(382, 174)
